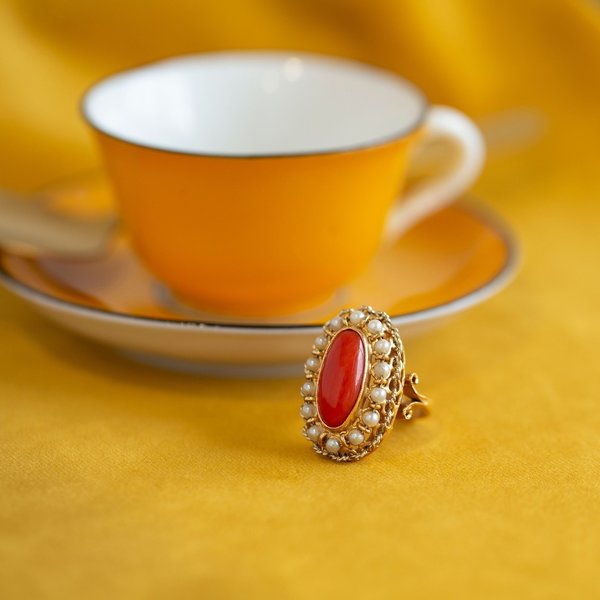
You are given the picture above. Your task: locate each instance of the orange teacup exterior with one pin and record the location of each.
(257, 235)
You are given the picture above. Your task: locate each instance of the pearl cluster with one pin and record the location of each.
(372, 414)
(382, 371)
(308, 410)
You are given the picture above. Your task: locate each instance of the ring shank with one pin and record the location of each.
(413, 404)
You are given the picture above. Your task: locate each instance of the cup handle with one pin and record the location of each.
(442, 189)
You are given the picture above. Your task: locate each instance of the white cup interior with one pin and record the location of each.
(255, 104)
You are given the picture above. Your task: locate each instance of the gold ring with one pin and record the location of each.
(356, 384)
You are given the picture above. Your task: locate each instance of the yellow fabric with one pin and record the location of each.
(119, 481)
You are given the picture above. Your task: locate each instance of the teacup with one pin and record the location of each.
(259, 183)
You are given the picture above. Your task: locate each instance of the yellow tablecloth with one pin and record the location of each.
(119, 481)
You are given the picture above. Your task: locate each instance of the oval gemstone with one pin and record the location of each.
(341, 378)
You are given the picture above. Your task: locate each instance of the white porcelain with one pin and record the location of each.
(221, 349)
(255, 103)
(212, 345)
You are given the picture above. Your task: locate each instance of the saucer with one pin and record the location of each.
(446, 264)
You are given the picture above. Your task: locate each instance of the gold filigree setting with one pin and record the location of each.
(387, 391)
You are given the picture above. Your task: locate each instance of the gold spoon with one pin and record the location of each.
(30, 227)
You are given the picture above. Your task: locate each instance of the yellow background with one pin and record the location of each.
(120, 481)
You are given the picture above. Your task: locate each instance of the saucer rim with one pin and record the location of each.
(488, 289)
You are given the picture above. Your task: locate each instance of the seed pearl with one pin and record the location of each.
(313, 432)
(382, 347)
(382, 369)
(335, 324)
(312, 364)
(375, 326)
(357, 317)
(308, 388)
(307, 410)
(370, 418)
(321, 342)
(378, 395)
(332, 446)
(356, 437)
